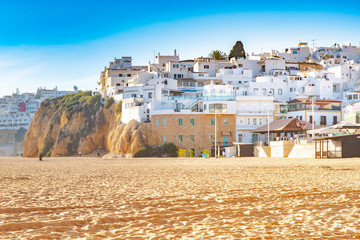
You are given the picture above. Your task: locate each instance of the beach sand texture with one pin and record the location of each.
(93, 198)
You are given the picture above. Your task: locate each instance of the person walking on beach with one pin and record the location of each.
(40, 157)
(80, 154)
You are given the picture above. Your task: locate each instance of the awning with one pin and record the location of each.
(285, 125)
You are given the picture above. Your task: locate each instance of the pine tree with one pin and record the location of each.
(238, 51)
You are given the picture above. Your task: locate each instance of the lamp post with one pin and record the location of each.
(313, 118)
(215, 131)
(268, 125)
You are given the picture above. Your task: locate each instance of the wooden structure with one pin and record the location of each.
(285, 126)
(342, 146)
(244, 149)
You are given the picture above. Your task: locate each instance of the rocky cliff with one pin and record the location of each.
(80, 123)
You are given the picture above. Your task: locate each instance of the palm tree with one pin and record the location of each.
(217, 55)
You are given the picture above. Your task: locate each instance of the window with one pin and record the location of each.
(256, 90)
(279, 91)
(149, 95)
(212, 137)
(129, 75)
(245, 93)
(226, 122)
(118, 84)
(175, 66)
(200, 84)
(311, 119)
(356, 96)
(120, 75)
(206, 66)
(240, 137)
(248, 121)
(180, 138)
(192, 138)
(133, 95)
(291, 89)
(180, 122)
(192, 121)
(220, 108)
(322, 120)
(164, 121)
(254, 121)
(335, 120)
(240, 65)
(164, 138)
(212, 123)
(271, 91)
(156, 122)
(260, 121)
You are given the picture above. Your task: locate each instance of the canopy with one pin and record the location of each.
(345, 125)
(286, 125)
(324, 130)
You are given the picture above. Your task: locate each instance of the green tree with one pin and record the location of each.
(238, 50)
(75, 88)
(217, 55)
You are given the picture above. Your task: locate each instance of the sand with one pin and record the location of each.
(253, 198)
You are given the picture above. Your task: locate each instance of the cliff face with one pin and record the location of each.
(79, 123)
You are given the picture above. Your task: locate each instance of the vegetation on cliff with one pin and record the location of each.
(109, 102)
(79, 102)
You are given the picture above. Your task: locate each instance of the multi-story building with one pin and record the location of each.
(326, 112)
(251, 113)
(199, 123)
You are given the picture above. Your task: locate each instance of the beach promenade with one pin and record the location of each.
(94, 198)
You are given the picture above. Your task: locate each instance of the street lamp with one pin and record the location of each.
(313, 117)
(268, 125)
(215, 130)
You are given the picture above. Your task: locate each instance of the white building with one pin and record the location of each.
(326, 112)
(251, 113)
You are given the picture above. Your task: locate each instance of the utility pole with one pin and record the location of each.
(313, 40)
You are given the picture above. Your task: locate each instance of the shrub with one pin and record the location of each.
(118, 108)
(167, 150)
(109, 102)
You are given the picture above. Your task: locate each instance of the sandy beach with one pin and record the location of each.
(94, 198)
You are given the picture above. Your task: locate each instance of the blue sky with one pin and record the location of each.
(67, 43)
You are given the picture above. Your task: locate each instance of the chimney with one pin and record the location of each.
(174, 52)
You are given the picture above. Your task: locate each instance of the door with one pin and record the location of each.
(226, 141)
